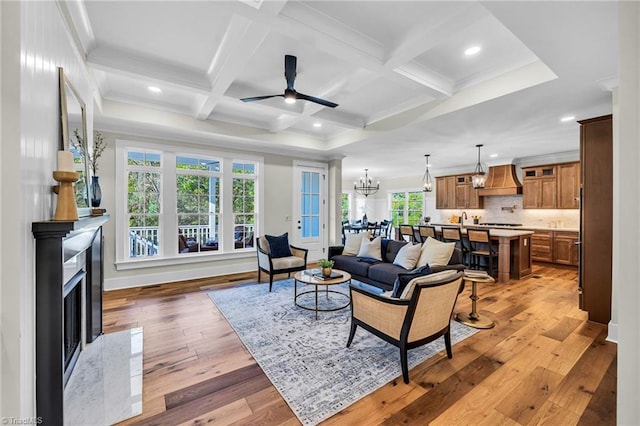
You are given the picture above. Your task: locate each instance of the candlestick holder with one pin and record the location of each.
(66, 208)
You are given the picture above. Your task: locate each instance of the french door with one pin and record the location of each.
(310, 208)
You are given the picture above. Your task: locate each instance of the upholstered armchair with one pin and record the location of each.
(420, 315)
(272, 265)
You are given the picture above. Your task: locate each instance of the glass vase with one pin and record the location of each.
(95, 191)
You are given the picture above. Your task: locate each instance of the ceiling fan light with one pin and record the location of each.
(290, 100)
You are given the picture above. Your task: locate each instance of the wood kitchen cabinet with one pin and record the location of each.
(446, 192)
(539, 187)
(456, 192)
(565, 248)
(542, 246)
(596, 155)
(568, 185)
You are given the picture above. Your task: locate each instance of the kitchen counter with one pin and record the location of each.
(523, 227)
(514, 250)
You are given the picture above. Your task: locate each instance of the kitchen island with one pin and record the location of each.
(514, 252)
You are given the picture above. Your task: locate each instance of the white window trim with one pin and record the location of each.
(406, 210)
(168, 253)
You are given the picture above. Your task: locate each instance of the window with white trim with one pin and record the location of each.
(405, 207)
(175, 203)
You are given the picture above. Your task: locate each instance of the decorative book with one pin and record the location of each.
(333, 276)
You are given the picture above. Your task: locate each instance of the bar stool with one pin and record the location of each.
(480, 245)
(426, 231)
(453, 234)
(407, 231)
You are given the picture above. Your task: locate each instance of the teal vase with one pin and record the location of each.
(95, 191)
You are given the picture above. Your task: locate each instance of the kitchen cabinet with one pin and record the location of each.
(539, 187)
(446, 192)
(456, 192)
(568, 185)
(596, 217)
(565, 248)
(542, 246)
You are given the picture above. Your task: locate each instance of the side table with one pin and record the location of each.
(473, 319)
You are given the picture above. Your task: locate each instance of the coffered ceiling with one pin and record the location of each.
(397, 69)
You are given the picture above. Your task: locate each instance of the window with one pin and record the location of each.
(310, 208)
(184, 204)
(143, 202)
(244, 204)
(346, 206)
(406, 207)
(198, 203)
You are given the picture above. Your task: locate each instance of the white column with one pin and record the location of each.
(626, 222)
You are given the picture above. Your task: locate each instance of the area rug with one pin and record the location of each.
(307, 359)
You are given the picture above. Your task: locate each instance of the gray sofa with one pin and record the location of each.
(383, 273)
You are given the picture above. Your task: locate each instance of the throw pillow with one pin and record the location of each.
(435, 253)
(408, 256)
(279, 245)
(404, 279)
(408, 290)
(352, 243)
(370, 249)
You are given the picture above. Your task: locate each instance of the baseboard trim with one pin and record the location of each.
(612, 335)
(133, 281)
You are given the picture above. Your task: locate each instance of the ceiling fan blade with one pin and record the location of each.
(258, 98)
(316, 100)
(290, 64)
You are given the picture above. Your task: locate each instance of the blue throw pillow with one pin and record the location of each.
(403, 279)
(279, 245)
(368, 260)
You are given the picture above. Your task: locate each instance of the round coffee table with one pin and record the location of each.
(307, 277)
(473, 319)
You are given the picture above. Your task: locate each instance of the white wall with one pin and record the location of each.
(35, 42)
(278, 205)
(626, 223)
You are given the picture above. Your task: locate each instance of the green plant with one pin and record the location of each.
(324, 263)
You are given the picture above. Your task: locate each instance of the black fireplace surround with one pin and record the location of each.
(69, 273)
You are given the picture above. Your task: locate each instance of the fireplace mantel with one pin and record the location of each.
(84, 237)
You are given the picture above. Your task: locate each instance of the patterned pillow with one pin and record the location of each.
(404, 279)
(279, 245)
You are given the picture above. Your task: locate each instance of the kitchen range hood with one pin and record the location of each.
(501, 180)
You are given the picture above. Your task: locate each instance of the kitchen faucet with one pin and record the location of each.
(463, 216)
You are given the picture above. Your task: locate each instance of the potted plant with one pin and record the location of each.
(326, 266)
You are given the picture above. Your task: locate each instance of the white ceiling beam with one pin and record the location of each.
(242, 35)
(147, 69)
(81, 23)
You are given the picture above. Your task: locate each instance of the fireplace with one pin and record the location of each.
(72, 322)
(69, 284)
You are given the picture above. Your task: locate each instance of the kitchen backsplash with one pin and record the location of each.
(513, 213)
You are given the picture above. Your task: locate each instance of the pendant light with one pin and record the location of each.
(365, 185)
(479, 176)
(426, 179)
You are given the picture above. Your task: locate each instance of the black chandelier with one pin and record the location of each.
(479, 176)
(365, 185)
(426, 179)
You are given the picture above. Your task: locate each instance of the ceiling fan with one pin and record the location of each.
(290, 95)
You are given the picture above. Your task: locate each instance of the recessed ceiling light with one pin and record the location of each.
(154, 89)
(472, 50)
(568, 118)
(493, 155)
(317, 125)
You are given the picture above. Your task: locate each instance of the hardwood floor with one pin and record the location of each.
(543, 363)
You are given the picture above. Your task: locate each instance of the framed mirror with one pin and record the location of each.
(74, 138)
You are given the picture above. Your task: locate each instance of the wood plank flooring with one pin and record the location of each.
(543, 363)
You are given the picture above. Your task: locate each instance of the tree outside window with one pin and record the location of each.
(346, 206)
(143, 202)
(244, 204)
(406, 207)
(198, 203)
